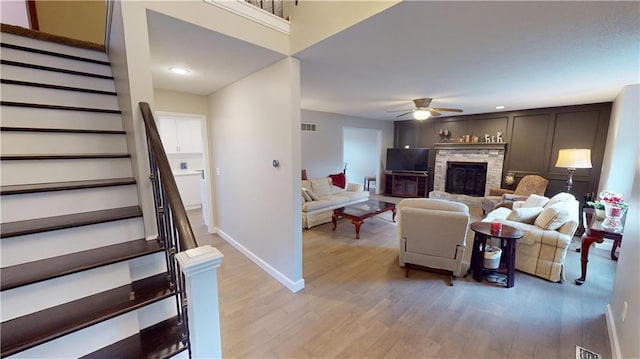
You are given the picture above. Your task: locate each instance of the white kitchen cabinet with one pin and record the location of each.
(180, 134)
(188, 183)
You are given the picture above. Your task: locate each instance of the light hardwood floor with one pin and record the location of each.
(358, 304)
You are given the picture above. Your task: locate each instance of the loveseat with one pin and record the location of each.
(320, 197)
(548, 226)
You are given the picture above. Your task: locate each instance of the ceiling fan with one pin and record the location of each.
(422, 111)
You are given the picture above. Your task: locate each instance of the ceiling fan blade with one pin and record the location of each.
(406, 113)
(434, 113)
(406, 109)
(447, 109)
(422, 102)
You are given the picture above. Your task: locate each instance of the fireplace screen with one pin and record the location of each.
(466, 178)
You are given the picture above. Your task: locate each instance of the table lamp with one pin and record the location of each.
(571, 159)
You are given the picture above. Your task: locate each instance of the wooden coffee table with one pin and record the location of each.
(358, 212)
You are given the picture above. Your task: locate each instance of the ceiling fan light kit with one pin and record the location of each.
(421, 114)
(422, 111)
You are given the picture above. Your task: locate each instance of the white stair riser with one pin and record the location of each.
(54, 47)
(55, 61)
(33, 247)
(88, 340)
(26, 143)
(147, 266)
(156, 312)
(56, 78)
(46, 171)
(42, 295)
(48, 204)
(44, 96)
(13, 116)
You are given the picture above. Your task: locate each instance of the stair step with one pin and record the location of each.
(56, 78)
(54, 69)
(33, 329)
(52, 53)
(62, 186)
(63, 156)
(40, 225)
(34, 272)
(56, 107)
(56, 87)
(42, 40)
(42, 118)
(61, 130)
(60, 142)
(161, 340)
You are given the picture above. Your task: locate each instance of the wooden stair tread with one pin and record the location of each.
(52, 53)
(58, 107)
(36, 328)
(37, 271)
(43, 36)
(60, 130)
(62, 186)
(63, 156)
(30, 226)
(54, 69)
(161, 340)
(56, 87)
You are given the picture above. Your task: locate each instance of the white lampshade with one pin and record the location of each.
(574, 158)
(421, 114)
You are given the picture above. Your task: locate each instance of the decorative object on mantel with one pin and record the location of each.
(510, 178)
(571, 159)
(445, 135)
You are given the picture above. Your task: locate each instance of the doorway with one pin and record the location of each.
(361, 154)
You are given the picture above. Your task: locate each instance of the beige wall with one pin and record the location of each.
(173, 101)
(621, 173)
(313, 20)
(81, 20)
(258, 204)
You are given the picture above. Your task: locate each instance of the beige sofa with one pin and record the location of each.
(548, 226)
(325, 198)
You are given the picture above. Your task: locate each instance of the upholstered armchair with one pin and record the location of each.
(432, 234)
(500, 197)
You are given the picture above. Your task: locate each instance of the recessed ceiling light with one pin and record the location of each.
(499, 107)
(179, 70)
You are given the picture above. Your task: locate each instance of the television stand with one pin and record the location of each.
(406, 184)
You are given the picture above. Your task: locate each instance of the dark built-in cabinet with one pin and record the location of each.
(533, 136)
(406, 185)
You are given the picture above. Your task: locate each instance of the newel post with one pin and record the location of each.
(200, 268)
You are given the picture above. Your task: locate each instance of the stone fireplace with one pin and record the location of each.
(489, 154)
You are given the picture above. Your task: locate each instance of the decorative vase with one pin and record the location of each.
(613, 217)
(600, 213)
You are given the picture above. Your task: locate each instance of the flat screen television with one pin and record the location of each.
(408, 159)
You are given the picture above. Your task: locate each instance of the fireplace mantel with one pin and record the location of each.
(470, 146)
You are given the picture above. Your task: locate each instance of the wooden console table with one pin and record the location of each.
(406, 184)
(593, 232)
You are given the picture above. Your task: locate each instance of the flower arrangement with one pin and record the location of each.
(613, 199)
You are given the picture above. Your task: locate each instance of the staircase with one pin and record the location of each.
(78, 277)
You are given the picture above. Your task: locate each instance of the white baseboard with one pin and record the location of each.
(613, 334)
(284, 280)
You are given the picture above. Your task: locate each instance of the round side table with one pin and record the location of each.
(508, 236)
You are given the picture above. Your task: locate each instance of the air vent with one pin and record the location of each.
(309, 127)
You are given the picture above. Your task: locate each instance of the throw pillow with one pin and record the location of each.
(305, 195)
(535, 200)
(339, 180)
(321, 186)
(311, 194)
(524, 215)
(561, 197)
(552, 218)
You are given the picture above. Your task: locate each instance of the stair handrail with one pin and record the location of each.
(178, 212)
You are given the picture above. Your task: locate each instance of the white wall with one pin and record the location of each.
(255, 121)
(322, 151)
(621, 173)
(14, 13)
(182, 102)
(361, 152)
